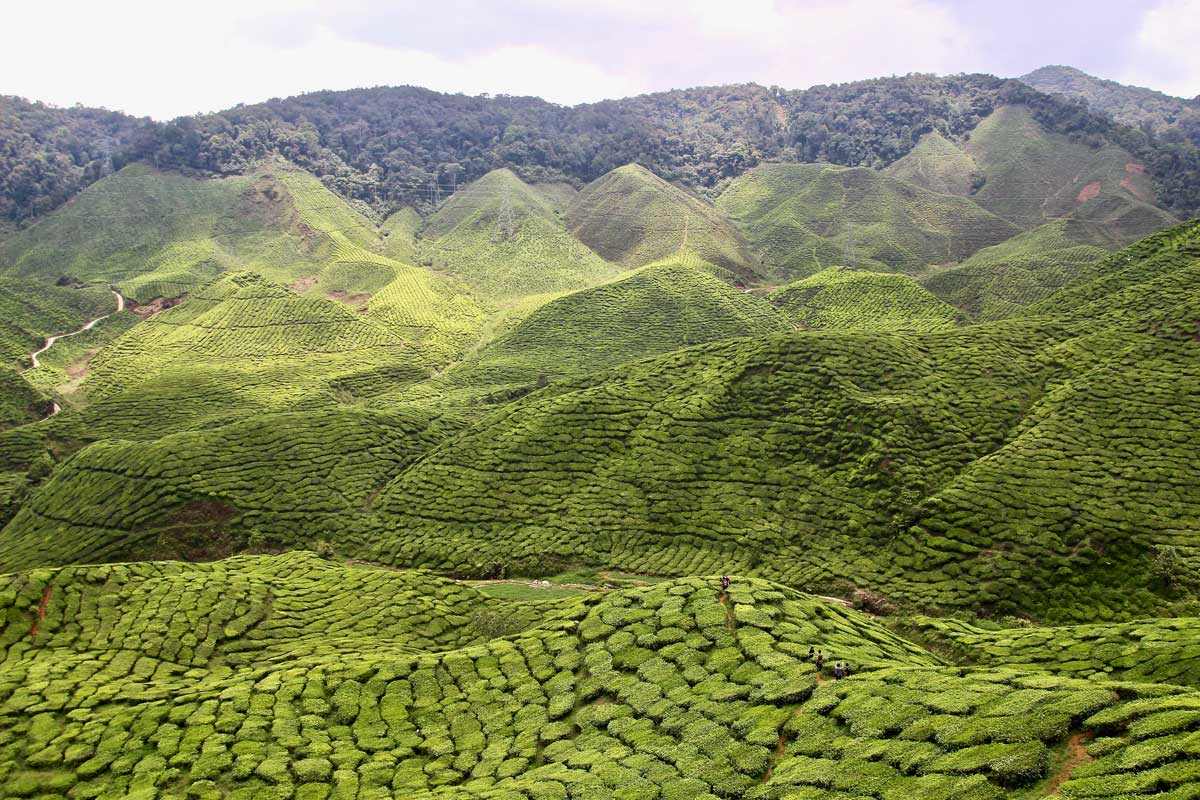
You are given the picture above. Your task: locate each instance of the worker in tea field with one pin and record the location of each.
(837, 671)
(725, 583)
(812, 653)
(820, 661)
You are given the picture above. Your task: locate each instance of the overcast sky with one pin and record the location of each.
(166, 59)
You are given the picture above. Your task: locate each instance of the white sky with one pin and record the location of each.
(166, 59)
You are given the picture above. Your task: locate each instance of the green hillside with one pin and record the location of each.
(504, 239)
(803, 218)
(32, 310)
(156, 234)
(237, 346)
(847, 299)
(1148, 650)
(293, 677)
(1000, 280)
(653, 310)
(898, 462)
(1033, 176)
(939, 165)
(633, 217)
(739, 455)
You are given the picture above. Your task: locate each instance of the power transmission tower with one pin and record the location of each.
(506, 221)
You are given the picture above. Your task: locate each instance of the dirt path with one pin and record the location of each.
(50, 340)
(1077, 756)
(590, 587)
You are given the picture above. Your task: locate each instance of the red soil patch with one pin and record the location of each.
(1132, 188)
(1076, 756)
(41, 612)
(1135, 169)
(1088, 192)
(302, 284)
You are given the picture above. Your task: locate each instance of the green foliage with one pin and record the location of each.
(855, 300)
(1001, 280)
(504, 239)
(633, 217)
(804, 218)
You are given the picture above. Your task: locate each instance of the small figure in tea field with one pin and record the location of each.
(820, 661)
(837, 671)
(812, 653)
(725, 583)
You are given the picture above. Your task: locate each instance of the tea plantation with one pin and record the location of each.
(854, 300)
(804, 218)
(633, 217)
(431, 499)
(293, 677)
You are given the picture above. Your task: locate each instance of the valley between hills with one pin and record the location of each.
(330, 473)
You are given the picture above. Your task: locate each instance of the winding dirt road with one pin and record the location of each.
(50, 340)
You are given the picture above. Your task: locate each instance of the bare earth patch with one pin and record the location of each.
(303, 284)
(156, 305)
(1088, 192)
(1077, 756)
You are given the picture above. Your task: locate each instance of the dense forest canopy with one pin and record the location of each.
(395, 146)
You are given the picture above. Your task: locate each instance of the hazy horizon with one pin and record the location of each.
(134, 56)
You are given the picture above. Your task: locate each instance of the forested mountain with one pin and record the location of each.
(1132, 105)
(394, 146)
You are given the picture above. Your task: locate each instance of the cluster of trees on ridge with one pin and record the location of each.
(389, 147)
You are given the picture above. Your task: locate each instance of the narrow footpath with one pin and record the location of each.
(50, 340)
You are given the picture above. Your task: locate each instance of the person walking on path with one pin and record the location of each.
(820, 661)
(837, 671)
(725, 583)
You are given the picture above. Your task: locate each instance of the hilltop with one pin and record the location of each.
(633, 217)
(505, 239)
(1133, 105)
(844, 299)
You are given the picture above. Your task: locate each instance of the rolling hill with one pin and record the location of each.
(844, 299)
(1000, 280)
(156, 234)
(803, 218)
(504, 239)
(633, 217)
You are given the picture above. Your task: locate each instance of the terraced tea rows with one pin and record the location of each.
(276, 480)
(1001, 280)
(1151, 650)
(633, 217)
(157, 234)
(504, 239)
(846, 299)
(290, 677)
(804, 218)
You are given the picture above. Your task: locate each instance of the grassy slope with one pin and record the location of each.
(798, 217)
(291, 677)
(535, 256)
(162, 235)
(648, 312)
(1000, 280)
(895, 461)
(854, 300)
(936, 164)
(633, 217)
(740, 454)
(1033, 176)
(290, 478)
